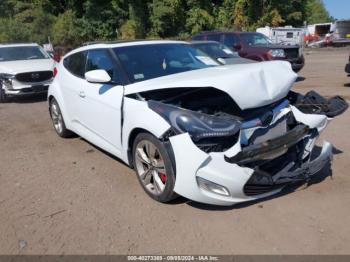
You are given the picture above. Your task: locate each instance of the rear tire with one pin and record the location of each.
(58, 121)
(154, 168)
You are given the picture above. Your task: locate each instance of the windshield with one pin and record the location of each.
(15, 53)
(216, 50)
(143, 62)
(255, 39)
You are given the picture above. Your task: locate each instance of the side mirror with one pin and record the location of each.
(98, 76)
(237, 46)
(221, 61)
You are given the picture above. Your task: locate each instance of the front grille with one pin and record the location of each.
(291, 53)
(254, 190)
(33, 77)
(264, 134)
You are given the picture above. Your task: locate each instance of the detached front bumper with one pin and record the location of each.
(248, 172)
(242, 183)
(261, 183)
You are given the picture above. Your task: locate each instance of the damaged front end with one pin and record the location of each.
(224, 155)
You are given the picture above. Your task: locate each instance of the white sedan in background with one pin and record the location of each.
(213, 134)
(25, 69)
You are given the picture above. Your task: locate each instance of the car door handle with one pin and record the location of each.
(82, 94)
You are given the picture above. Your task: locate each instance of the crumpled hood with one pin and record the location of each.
(23, 66)
(250, 85)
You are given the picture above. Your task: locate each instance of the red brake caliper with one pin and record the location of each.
(162, 177)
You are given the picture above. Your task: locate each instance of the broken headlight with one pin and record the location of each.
(6, 80)
(205, 130)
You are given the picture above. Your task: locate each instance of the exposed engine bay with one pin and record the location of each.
(212, 109)
(211, 101)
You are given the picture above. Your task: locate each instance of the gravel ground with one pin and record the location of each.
(62, 196)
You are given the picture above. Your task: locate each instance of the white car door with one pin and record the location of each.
(101, 104)
(71, 79)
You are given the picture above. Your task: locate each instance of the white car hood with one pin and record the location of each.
(23, 66)
(250, 85)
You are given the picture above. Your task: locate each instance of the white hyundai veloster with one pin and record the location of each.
(189, 126)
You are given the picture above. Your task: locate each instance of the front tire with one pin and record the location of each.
(3, 96)
(154, 168)
(58, 121)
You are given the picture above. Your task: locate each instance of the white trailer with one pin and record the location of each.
(284, 35)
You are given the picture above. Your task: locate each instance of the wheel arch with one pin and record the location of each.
(56, 93)
(49, 99)
(132, 136)
(134, 133)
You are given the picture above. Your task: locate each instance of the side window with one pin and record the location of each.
(76, 64)
(197, 37)
(101, 59)
(215, 37)
(230, 40)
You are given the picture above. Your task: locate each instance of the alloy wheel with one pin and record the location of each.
(150, 167)
(56, 117)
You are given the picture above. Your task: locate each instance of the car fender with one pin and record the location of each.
(137, 115)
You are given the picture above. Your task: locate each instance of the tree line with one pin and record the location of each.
(69, 23)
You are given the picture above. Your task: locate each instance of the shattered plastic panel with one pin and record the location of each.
(213, 167)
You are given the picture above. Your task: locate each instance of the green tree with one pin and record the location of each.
(198, 20)
(224, 14)
(316, 12)
(71, 22)
(102, 18)
(65, 31)
(129, 30)
(166, 18)
(32, 17)
(13, 31)
(136, 22)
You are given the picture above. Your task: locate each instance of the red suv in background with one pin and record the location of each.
(256, 46)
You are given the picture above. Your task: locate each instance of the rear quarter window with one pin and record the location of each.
(101, 59)
(75, 64)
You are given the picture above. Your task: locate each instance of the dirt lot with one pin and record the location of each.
(66, 197)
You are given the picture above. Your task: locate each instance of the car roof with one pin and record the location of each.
(105, 45)
(225, 32)
(204, 42)
(17, 44)
(249, 33)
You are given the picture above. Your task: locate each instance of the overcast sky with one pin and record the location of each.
(339, 9)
